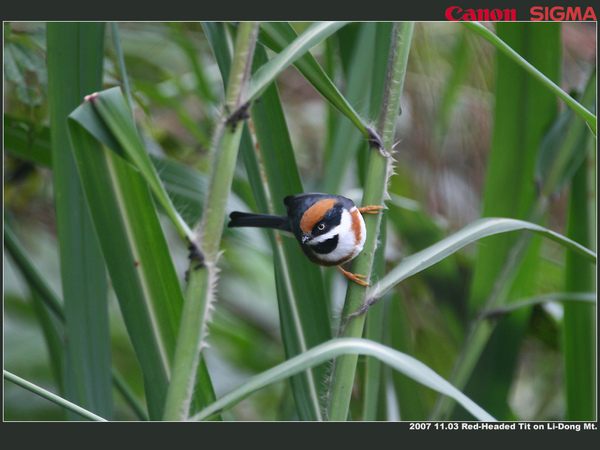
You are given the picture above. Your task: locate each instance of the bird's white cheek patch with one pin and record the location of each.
(349, 244)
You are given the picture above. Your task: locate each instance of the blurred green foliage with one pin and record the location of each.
(444, 137)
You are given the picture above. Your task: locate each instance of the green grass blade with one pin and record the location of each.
(115, 114)
(31, 274)
(564, 146)
(47, 305)
(52, 397)
(135, 251)
(314, 34)
(345, 346)
(277, 35)
(547, 82)
(75, 67)
(118, 132)
(579, 323)
(479, 229)
(587, 297)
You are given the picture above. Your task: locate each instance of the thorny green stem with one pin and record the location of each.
(203, 265)
(374, 194)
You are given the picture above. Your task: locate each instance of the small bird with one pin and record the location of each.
(329, 228)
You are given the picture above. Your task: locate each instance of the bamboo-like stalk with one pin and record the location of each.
(204, 255)
(374, 194)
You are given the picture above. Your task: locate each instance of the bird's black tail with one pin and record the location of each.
(240, 219)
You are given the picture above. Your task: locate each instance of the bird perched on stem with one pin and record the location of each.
(329, 228)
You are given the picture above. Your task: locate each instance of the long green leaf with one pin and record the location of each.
(580, 320)
(277, 35)
(115, 115)
(314, 34)
(547, 82)
(471, 233)
(135, 250)
(345, 346)
(75, 68)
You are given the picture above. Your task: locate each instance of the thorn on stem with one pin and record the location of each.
(376, 142)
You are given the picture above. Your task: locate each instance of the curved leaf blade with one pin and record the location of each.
(584, 113)
(404, 363)
(471, 233)
(314, 34)
(115, 115)
(280, 34)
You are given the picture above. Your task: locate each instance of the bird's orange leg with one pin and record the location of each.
(354, 277)
(370, 209)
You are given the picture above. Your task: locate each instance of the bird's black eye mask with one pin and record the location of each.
(330, 220)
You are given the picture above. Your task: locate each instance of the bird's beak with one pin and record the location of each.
(306, 237)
